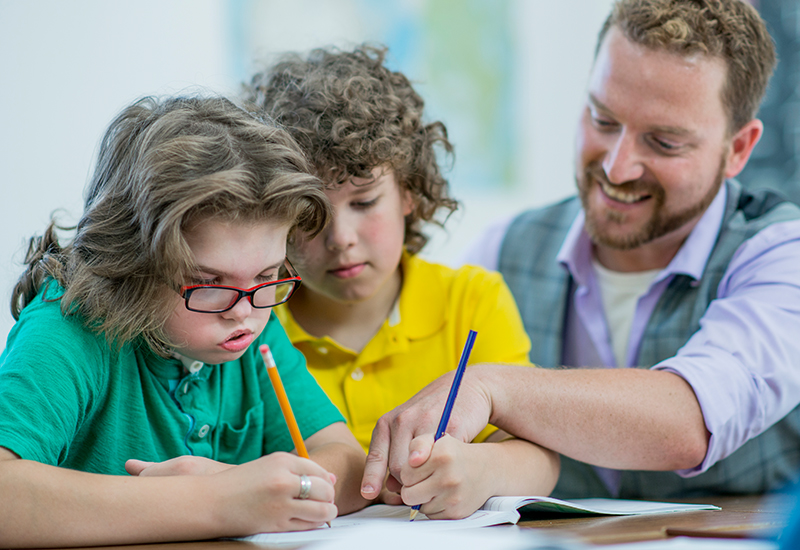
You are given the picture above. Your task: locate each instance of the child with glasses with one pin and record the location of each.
(376, 322)
(134, 404)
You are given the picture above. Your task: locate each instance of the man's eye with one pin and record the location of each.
(603, 124)
(665, 145)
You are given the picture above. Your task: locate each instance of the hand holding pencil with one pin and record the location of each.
(288, 414)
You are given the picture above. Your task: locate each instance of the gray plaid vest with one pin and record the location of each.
(541, 287)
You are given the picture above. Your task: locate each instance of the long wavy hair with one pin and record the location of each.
(162, 166)
(351, 114)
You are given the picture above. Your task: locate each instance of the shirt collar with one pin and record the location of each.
(419, 312)
(576, 252)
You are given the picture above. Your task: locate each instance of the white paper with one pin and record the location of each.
(496, 511)
(386, 516)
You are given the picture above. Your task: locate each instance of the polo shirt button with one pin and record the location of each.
(357, 375)
(196, 366)
(203, 431)
(323, 350)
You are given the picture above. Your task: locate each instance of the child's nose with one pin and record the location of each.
(240, 311)
(340, 234)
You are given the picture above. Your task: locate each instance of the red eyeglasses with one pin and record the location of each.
(218, 298)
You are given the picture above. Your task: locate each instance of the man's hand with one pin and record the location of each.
(394, 431)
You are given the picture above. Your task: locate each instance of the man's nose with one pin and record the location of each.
(622, 161)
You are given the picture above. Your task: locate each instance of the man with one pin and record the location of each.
(664, 263)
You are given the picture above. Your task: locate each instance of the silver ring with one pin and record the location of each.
(305, 487)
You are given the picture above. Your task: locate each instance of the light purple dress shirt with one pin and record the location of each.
(743, 363)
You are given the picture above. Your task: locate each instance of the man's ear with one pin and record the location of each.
(742, 145)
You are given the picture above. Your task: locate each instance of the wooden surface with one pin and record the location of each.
(740, 517)
(748, 516)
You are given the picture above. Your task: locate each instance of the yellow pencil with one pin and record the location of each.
(283, 401)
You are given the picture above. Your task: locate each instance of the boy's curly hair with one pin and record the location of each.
(350, 114)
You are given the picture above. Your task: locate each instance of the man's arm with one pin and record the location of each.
(626, 419)
(616, 418)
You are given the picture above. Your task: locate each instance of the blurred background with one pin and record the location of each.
(507, 77)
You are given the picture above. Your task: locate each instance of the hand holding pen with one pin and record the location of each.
(451, 398)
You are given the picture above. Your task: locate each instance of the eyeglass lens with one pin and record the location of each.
(215, 299)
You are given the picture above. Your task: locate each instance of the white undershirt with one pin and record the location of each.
(620, 292)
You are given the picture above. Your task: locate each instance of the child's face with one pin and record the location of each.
(232, 254)
(358, 254)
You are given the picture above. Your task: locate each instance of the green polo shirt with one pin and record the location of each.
(68, 398)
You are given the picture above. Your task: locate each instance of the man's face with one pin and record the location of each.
(652, 144)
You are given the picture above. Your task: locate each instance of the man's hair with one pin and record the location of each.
(731, 30)
(163, 166)
(350, 114)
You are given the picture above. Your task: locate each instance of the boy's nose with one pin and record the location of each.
(340, 234)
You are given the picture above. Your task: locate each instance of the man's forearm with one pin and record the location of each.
(615, 418)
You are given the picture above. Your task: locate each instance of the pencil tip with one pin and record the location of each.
(413, 514)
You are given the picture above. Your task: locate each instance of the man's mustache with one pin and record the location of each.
(638, 187)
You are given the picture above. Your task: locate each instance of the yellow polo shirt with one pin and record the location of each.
(422, 339)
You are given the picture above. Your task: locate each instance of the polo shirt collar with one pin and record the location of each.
(576, 252)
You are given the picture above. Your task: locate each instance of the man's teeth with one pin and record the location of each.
(618, 195)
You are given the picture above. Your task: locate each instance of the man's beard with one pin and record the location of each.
(660, 222)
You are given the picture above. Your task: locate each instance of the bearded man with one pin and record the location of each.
(663, 262)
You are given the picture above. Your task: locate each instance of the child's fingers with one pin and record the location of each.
(314, 488)
(391, 498)
(135, 467)
(392, 484)
(419, 450)
(312, 513)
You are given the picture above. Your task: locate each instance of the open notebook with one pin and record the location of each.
(496, 511)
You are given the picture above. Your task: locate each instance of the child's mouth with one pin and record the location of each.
(348, 271)
(238, 341)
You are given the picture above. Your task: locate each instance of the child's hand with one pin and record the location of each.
(263, 495)
(448, 479)
(182, 465)
(259, 496)
(390, 494)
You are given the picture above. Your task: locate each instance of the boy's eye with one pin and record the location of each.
(365, 204)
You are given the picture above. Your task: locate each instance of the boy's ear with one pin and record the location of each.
(409, 202)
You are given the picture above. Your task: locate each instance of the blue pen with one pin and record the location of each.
(451, 398)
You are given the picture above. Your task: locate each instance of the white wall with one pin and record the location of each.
(68, 67)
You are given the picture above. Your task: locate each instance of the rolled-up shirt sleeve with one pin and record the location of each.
(744, 362)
